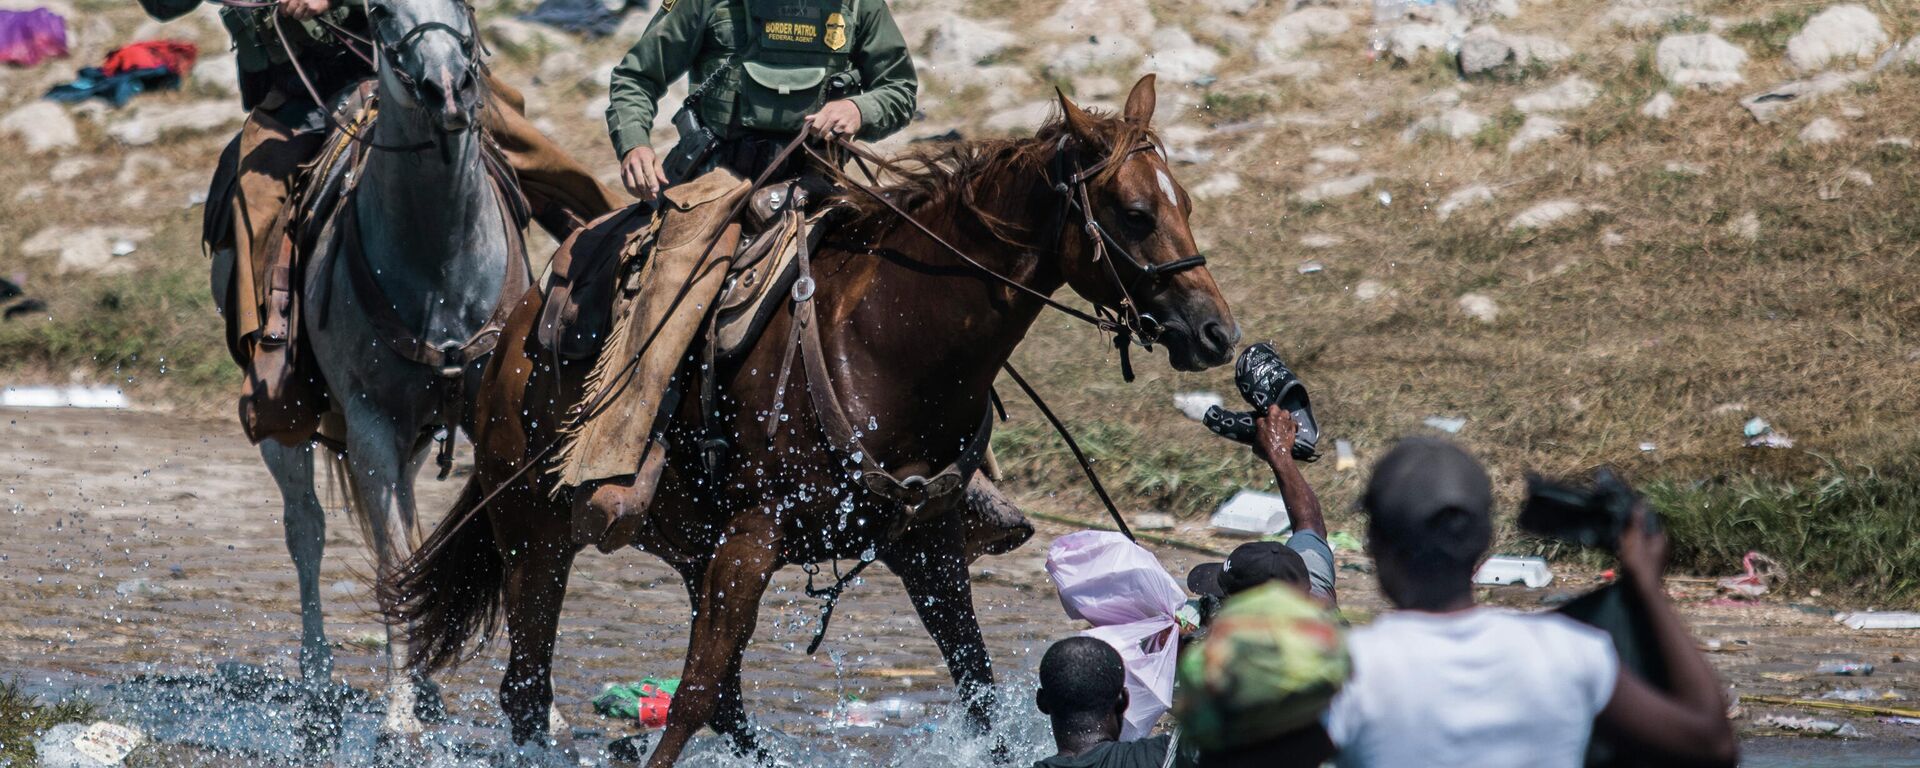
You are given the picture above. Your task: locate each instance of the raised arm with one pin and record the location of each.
(1275, 444)
(1685, 727)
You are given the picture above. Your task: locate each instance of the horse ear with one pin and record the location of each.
(1140, 101)
(1078, 121)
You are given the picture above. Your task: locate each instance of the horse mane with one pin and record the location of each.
(958, 171)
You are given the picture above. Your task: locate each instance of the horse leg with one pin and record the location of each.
(730, 711)
(723, 622)
(930, 561)
(377, 460)
(306, 529)
(535, 584)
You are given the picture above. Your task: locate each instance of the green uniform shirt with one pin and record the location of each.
(256, 46)
(793, 51)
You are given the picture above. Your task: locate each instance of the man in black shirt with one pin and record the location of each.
(1083, 690)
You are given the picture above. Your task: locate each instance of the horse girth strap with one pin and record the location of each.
(913, 492)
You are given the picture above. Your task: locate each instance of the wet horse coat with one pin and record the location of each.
(913, 338)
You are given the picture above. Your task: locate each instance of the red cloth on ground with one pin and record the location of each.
(175, 55)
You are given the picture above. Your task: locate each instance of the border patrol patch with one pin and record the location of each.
(836, 32)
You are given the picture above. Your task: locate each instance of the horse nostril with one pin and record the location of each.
(431, 93)
(1219, 336)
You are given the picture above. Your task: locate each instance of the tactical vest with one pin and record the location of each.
(263, 62)
(795, 53)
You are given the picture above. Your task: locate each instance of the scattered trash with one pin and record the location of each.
(1862, 694)
(1648, 447)
(1195, 404)
(1154, 521)
(149, 65)
(1253, 512)
(196, 199)
(139, 588)
(1845, 669)
(1880, 620)
(123, 247)
(1753, 583)
(1717, 645)
(107, 742)
(1448, 424)
(62, 397)
(1385, 198)
(1761, 434)
(1901, 720)
(646, 701)
(1810, 725)
(1310, 267)
(25, 307)
(1343, 459)
(176, 572)
(1504, 569)
(30, 37)
(1341, 540)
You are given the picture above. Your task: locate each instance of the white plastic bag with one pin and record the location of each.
(1120, 589)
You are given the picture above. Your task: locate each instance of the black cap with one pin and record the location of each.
(1427, 492)
(1250, 565)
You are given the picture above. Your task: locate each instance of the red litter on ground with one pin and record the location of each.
(654, 702)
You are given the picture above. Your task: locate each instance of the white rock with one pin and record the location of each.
(1545, 215)
(1099, 18)
(1537, 129)
(955, 44)
(84, 249)
(1767, 105)
(1567, 95)
(1841, 35)
(1453, 124)
(1174, 56)
(596, 109)
(71, 168)
(525, 36)
(1486, 50)
(1479, 306)
(1705, 61)
(1217, 185)
(1021, 120)
(1659, 107)
(1909, 54)
(218, 73)
(1407, 42)
(42, 126)
(153, 121)
(1321, 241)
(1747, 227)
(1646, 14)
(1475, 194)
(1902, 142)
(1334, 155)
(1294, 31)
(1822, 131)
(1094, 53)
(1332, 189)
(1370, 290)
(140, 168)
(1684, 168)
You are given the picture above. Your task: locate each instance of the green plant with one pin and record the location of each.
(23, 717)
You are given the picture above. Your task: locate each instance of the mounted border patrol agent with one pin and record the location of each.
(296, 60)
(763, 70)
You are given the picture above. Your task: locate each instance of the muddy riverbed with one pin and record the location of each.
(142, 559)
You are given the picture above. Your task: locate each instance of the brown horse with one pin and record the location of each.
(914, 336)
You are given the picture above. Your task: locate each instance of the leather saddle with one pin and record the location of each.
(589, 268)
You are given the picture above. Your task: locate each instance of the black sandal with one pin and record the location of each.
(1265, 381)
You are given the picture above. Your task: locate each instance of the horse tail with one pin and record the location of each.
(448, 592)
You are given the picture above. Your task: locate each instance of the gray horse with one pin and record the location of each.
(436, 241)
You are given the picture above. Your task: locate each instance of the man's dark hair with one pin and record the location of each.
(1081, 681)
(1429, 508)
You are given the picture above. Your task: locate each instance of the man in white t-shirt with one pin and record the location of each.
(1441, 682)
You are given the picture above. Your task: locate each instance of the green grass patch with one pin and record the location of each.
(1771, 33)
(1850, 528)
(23, 717)
(156, 325)
(1135, 466)
(1222, 107)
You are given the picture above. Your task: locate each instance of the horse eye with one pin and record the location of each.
(1140, 223)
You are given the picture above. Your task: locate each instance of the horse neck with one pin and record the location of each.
(430, 224)
(939, 327)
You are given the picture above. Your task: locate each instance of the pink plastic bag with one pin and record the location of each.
(30, 37)
(1120, 589)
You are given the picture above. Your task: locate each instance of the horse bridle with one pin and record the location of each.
(1126, 321)
(389, 53)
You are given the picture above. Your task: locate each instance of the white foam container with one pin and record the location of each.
(1502, 569)
(1255, 512)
